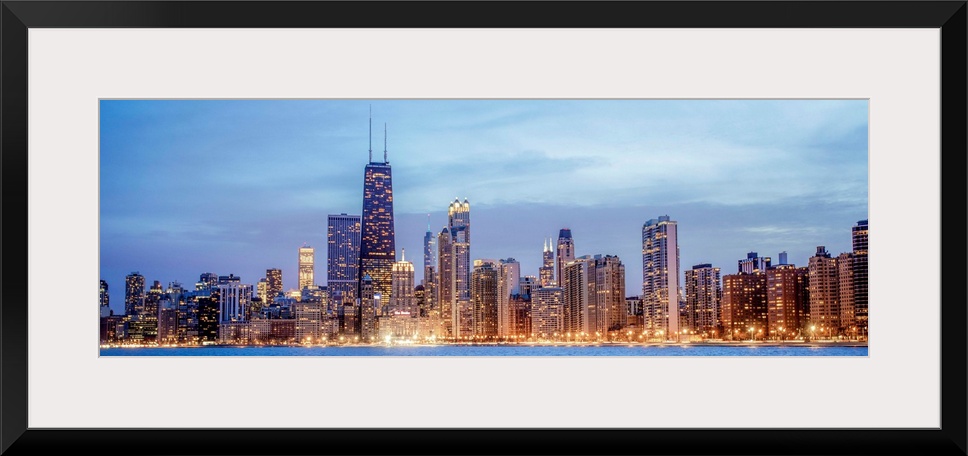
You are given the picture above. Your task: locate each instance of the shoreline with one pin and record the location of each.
(813, 344)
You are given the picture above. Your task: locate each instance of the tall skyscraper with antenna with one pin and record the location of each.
(546, 272)
(377, 246)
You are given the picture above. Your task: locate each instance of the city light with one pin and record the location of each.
(371, 296)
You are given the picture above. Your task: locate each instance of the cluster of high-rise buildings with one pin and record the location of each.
(763, 300)
(370, 296)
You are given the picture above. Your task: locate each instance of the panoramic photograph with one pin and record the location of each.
(483, 227)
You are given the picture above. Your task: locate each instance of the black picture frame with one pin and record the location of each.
(17, 16)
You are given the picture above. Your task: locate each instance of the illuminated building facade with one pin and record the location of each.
(369, 305)
(704, 294)
(660, 272)
(609, 276)
(208, 318)
(546, 273)
(167, 321)
(528, 284)
(519, 317)
(235, 299)
(134, 307)
(565, 253)
(845, 293)
(594, 295)
(484, 297)
(104, 300)
(459, 224)
(274, 283)
(377, 245)
(307, 260)
(147, 322)
(546, 316)
(744, 307)
(262, 290)
(446, 296)
(753, 262)
(309, 318)
(787, 300)
(397, 326)
(429, 307)
(402, 295)
(859, 241)
(823, 273)
(134, 294)
(509, 283)
(342, 258)
(207, 280)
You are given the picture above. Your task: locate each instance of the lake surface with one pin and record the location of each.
(499, 350)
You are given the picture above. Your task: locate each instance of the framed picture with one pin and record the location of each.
(906, 59)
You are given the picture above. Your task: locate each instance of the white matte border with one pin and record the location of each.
(898, 385)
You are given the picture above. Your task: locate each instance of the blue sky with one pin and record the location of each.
(237, 186)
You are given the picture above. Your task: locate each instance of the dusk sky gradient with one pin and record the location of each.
(237, 186)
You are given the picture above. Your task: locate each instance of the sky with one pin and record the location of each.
(237, 186)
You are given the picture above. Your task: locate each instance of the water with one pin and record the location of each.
(499, 350)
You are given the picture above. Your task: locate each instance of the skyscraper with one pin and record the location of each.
(754, 262)
(262, 290)
(610, 293)
(660, 271)
(377, 245)
(744, 308)
(546, 272)
(459, 224)
(508, 284)
(594, 295)
(207, 280)
(148, 320)
(134, 293)
(342, 258)
(703, 296)
(274, 283)
(528, 285)
(307, 259)
(446, 293)
(402, 298)
(484, 297)
(105, 305)
(824, 294)
(430, 274)
(787, 300)
(367, 323)
(430, 247)
(546, 318)
(566, 253)
(134, 305)
(845, 293)
(578, 310)
(234, 299)
(859, 241)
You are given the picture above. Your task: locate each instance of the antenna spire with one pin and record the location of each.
(385, 143)
(428, 223)
(371, 133)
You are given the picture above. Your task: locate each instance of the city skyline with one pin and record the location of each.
(167, 235)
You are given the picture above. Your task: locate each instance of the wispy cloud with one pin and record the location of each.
(253, 180)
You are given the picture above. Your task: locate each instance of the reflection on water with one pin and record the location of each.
(499, 350)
